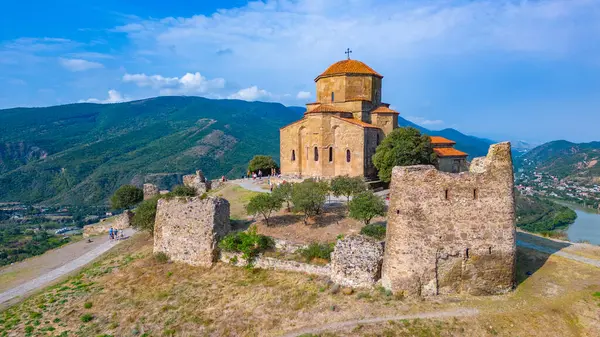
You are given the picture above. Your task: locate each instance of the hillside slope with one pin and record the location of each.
(564, 159)
(80, 153)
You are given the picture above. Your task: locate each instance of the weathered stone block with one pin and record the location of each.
(150, 190)
(452, 233)
(188, 229)
(356, 261)
(198, 182)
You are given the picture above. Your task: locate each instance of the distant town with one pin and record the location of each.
(531, 181)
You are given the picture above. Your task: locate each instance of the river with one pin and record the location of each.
(587, 225)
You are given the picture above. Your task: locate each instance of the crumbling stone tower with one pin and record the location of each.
(452, 233)
(198, 182)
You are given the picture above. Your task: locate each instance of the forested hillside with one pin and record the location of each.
(80, 153)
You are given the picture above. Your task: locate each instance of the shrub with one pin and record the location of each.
(265, 204)
(309, 196)
(283, 192)
(347, 186)
(183, 191)
(374, 230)
(145, 215)
(126, 196)
(366, 206)
(87, 305)
(402, 147)
(317, 250)
(263, 163)
(86, 318)
(161, 257)
(249, 243)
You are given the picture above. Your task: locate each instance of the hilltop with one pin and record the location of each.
(78, 154)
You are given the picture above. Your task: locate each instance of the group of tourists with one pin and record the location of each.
(115, 234)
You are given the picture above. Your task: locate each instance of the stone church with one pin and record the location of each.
(340, 132)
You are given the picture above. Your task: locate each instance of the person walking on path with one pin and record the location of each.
(111, 234)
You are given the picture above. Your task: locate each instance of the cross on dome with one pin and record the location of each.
(347, 52)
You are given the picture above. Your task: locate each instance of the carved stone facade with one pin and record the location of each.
(119, 222)
(150, 190)
(198, 182)
(452, 233)
(356, 261)
(340, 132)
(188, 229)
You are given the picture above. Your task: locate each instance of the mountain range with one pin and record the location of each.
(78, 154)
(564, 160)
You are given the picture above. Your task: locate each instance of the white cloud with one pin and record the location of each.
(303, 95)
(113, 97)
(424, 121)
(79, 64)
(252, 94)
(187, 84)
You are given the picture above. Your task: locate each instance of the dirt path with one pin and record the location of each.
(24, 277)
(347, 324)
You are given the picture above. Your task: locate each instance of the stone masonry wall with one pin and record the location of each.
(188, 229)
(198, 182)
(356, 261)
(452, 233)
(150, 190)
(119, 222)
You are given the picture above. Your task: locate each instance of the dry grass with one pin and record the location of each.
(238, 198)
(131, 292)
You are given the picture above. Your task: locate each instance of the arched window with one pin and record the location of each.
(293, 155)
(316, 154)
(347, 156)
(330, 154)
(332, 96)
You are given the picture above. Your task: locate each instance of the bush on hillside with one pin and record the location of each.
(402, 147)
(145, 214)
(183, 191)
(366, 206)
(309, 197)
(126, 196)
(264, 204)
(249, 243)
(262, 163)
(347, 186)
(317, 251)
(375, 231)
(283, 192)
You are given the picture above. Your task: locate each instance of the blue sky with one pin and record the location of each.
(505, 70)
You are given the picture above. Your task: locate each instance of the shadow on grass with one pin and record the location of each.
(533, 252)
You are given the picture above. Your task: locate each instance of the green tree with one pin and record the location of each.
(365, 206)
(145, 214)
(402, 147)
(126, 196)
(263, 163)
(347, 186)
(309, 197)
(264, 204)
(183, 191)
(284, 193)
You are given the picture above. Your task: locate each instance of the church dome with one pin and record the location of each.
(349, 67)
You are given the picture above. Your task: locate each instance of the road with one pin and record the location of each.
(58, 262)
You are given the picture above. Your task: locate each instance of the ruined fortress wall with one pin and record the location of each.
(188, 229)
(452, 233)
(150, 190)
(119, 222)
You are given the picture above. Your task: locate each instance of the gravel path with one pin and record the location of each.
(553, 251)
(347, 324)
(68, 267)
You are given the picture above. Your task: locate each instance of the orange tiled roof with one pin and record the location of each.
(449, 152)
(348, 67)
(358, 122)
(384, 110)
(325, 108)
(441, 140)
